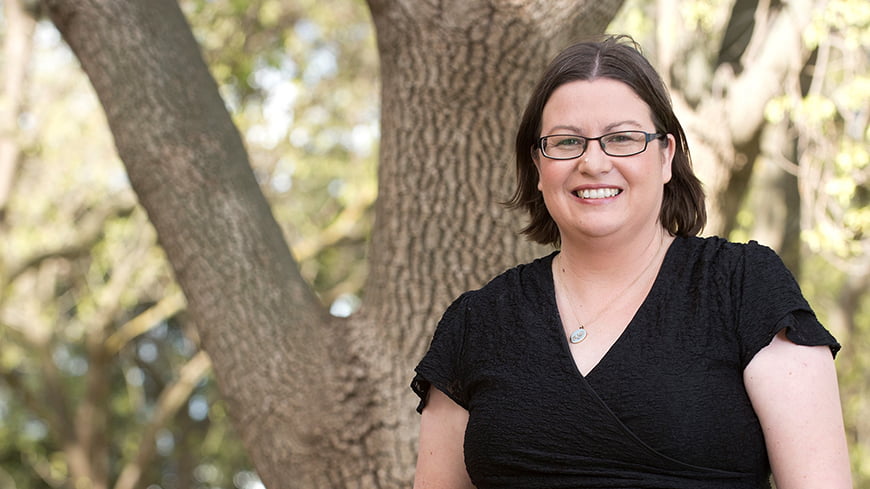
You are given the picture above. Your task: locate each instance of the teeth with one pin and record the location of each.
(598, 193)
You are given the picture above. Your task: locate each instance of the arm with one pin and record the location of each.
(441, 462)
(794, 391)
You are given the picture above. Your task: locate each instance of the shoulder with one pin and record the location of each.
(728, 258)
(741, 276)
(715, 248)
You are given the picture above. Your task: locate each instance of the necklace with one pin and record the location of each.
(579, 334)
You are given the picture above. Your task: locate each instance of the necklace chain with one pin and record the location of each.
(579, 334)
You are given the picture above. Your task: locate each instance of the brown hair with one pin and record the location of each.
(618, 58)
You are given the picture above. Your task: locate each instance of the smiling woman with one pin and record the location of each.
(637, 355)
(599, 192)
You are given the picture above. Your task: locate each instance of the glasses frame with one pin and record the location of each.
(648, 136)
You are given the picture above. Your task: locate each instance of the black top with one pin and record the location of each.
(664, 408)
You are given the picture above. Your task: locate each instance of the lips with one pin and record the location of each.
(597, 193)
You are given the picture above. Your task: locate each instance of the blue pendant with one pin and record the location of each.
(578, 335)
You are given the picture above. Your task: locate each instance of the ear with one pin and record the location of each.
(668, 153)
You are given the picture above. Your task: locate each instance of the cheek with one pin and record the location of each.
(547, 178)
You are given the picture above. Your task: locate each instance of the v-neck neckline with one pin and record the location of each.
(556, 326)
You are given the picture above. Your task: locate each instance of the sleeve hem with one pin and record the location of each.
(798, 333)
(421, 386)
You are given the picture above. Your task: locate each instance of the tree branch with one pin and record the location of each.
(170, 401)
(89, 232)
(17, 47)
(775, 51)
(167, 307)
(50, 403)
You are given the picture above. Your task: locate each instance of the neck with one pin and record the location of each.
(606, 278)
(607, 260)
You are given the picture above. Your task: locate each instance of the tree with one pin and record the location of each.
(322, 401)
(329, 405)
(82, 292)
(85, 297)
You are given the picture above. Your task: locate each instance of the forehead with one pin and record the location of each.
(594, 104)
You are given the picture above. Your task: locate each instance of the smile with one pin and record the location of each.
(597, 193)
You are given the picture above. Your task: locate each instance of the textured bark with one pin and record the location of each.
(261, 325)
(455, 77)
(322, 402)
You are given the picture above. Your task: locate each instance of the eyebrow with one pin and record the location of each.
(607, 129)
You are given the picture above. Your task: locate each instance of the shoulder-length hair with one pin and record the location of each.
(618, 58)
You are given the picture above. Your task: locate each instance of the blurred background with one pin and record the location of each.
(84, 286)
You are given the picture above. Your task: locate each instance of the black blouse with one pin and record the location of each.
(664, 408)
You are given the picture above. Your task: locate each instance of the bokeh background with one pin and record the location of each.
(84, 286)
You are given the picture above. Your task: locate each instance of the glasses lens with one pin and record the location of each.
(563, 147)
(624, 143)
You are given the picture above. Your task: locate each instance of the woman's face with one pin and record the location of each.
(597, 195)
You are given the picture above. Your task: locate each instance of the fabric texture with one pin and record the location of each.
(664, 408)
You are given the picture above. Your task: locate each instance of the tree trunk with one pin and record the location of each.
(455, 79)
(776, 199)
(320, 401)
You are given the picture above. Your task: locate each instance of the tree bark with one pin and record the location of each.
(320, 401)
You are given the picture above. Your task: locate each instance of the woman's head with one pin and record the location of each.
(617, 58)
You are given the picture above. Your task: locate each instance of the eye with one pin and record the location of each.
(622, 137)
(563, 146)
(568, 141)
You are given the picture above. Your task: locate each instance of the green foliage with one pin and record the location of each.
(78, 263)
(301, 81)
(833, 122)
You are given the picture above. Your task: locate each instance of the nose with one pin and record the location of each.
(594, 161)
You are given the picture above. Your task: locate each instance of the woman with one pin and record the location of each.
(637, 355)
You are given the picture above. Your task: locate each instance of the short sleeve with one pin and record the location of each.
(770, 301)
(441, 365)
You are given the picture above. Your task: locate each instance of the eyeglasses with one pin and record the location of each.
(620, 143)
